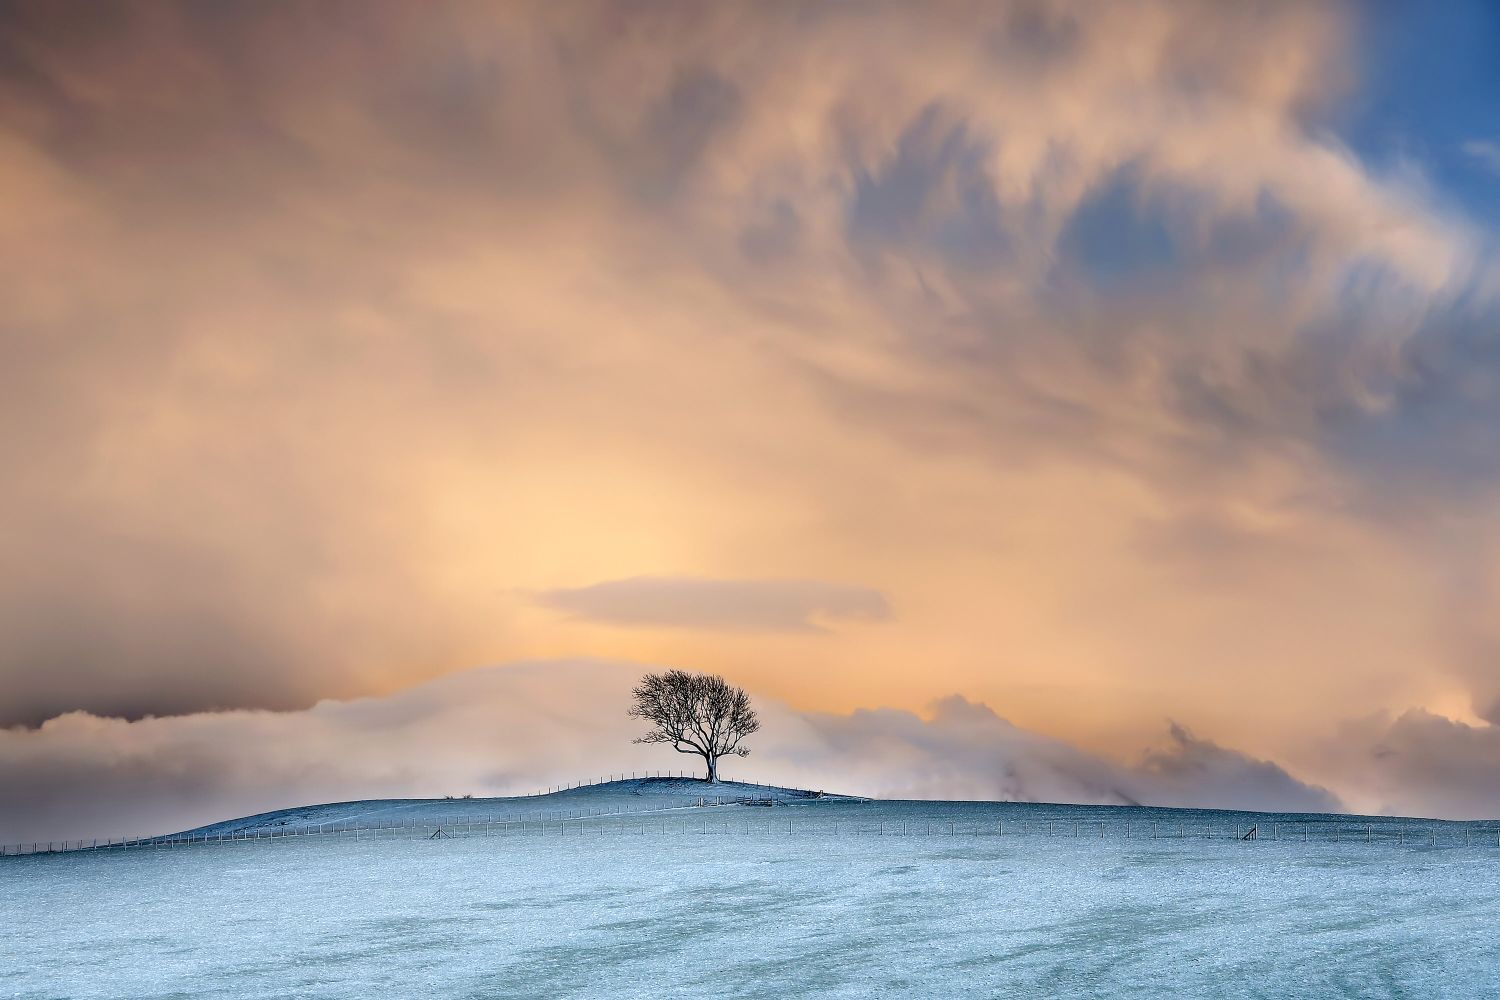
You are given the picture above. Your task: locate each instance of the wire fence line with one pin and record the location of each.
(668, 820)
(442, 828)
(621, 776)
(611, 778)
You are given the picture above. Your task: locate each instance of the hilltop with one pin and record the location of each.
(627, 796)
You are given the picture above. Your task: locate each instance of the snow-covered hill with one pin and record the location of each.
(624, 797)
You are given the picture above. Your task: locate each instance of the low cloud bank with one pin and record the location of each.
(1420, 764)
(965, 750)
(517, 728)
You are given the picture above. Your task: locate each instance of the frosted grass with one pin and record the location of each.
(768, 903)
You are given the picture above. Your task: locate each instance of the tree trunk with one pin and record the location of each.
(713, 770)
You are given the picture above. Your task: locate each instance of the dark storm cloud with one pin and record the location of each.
(772, 233)
(1436, 432)
(1038, 31)
(933, 192)
(699, 105)
(1133, 231)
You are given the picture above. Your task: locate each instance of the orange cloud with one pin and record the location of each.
(334, 335)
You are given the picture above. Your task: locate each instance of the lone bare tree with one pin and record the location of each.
(699, 714)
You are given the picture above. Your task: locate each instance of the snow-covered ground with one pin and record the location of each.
(817, 897)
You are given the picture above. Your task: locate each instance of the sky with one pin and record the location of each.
(1091, 401)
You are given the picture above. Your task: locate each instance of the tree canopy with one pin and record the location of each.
(699, 714)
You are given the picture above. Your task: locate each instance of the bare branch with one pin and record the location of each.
(699, 714)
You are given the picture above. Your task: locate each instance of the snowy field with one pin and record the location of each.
(826, 898)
